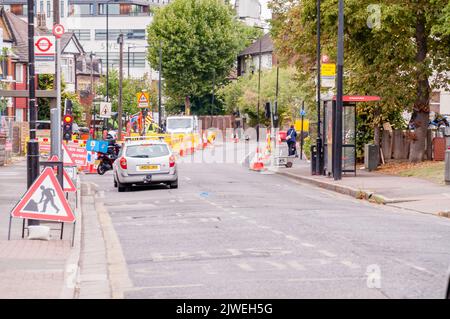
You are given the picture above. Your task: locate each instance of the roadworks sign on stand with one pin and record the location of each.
(44, 200)
(67, 156)
(143, 99)
(69, 186)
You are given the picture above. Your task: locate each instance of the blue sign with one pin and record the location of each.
(97, 146)
(302, 112)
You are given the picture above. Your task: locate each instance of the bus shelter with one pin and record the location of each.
(348, 132)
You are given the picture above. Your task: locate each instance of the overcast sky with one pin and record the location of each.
(265, 11)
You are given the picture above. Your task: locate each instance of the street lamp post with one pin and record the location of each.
(107, 48)
(159, 86)
(259, 88)
(337, 174)
(119, 111)
(319, 143)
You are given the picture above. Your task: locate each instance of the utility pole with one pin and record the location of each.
(159, 87)
(319, 135)
(119, 110)
(339, 96)
(128, 60)
(91, 55)
(277, 89)
(56, 113)
(212, 98)
(259, 89)
(107, 51)
(33, 144)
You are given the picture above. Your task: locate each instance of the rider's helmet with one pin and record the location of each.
(112, 135)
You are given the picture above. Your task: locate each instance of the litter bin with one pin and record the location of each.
(313, 159)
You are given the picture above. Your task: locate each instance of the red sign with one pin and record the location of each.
(44, 200)
(78, 154)
(44, 44)
(58, 30)
(68, 185)
(325, 59)
(357, 98)
(67, 156)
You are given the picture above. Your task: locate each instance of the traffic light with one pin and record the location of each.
(268, 111)
(67, 127)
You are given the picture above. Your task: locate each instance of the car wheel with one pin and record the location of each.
(174, 184)
(101, 170)
(121, 187)
(115, 182)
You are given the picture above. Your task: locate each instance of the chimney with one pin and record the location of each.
(41, 22)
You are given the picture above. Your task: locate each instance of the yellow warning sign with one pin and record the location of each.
(298, 125)
(328, 69)
(143, 99)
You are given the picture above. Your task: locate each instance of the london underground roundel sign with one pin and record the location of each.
(58, 30)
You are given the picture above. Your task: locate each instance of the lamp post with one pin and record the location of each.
(337, 174)
(119, 110)
(107, 48)
(319, 143)
(159, 87)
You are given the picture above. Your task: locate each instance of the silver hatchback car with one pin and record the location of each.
(145, 162)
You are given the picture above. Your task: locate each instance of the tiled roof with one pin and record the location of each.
(253, 49)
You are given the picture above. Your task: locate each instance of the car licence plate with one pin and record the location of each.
(148, 167)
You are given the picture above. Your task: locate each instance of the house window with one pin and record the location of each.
(82, 10)
(435, 102)
(41, 7)
(113, 9)
(19, 73)
(48, 9)
(67, 70)
(61, 8)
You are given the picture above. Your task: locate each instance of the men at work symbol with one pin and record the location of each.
(48, 195)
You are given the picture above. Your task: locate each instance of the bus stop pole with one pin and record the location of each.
(339, 97)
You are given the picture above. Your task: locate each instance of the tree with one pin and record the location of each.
(199, 40)
(242, 95)
(130, 87)
(391, 50)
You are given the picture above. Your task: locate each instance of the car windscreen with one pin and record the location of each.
(147, 150)
(173, 124)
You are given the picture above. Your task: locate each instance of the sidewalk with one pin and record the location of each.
(33, 268)
(403, 192)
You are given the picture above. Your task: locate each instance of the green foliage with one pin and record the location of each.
(199, 40)
(130, 87)
(382, 59)
(242, 95)
(46, 82)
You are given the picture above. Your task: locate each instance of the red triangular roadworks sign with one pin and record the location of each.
(44, 200)
(69, 186)
(143, 98)
(67, 157)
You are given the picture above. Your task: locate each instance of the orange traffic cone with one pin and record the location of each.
(257, 164)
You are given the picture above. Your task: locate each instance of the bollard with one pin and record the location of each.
(313, 159)
(447, 167)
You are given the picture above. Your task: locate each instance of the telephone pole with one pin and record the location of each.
(33, 144)
(119, 109)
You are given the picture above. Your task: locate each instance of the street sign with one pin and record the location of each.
(58, 30)
(44, 200)
(78, 154)
(325, 58)
(143, 99)
(302, 112)
(69, 186)
(328, 81)
(97, 146)
(44, 54)
(67, 156)
(105, 109)
(328, 69)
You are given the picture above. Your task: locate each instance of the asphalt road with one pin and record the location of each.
(228, 232)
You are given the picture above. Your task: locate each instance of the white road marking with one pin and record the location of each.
(187, 178)
(243, 217)
(246, 267)
(233, 213)
(277, 232)
(296, 265)
(308, 245)
(264, 227)
(161, 257)
(291, 237)
(415, 267)
(234, 252)
(327, 253)
(349, 264)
